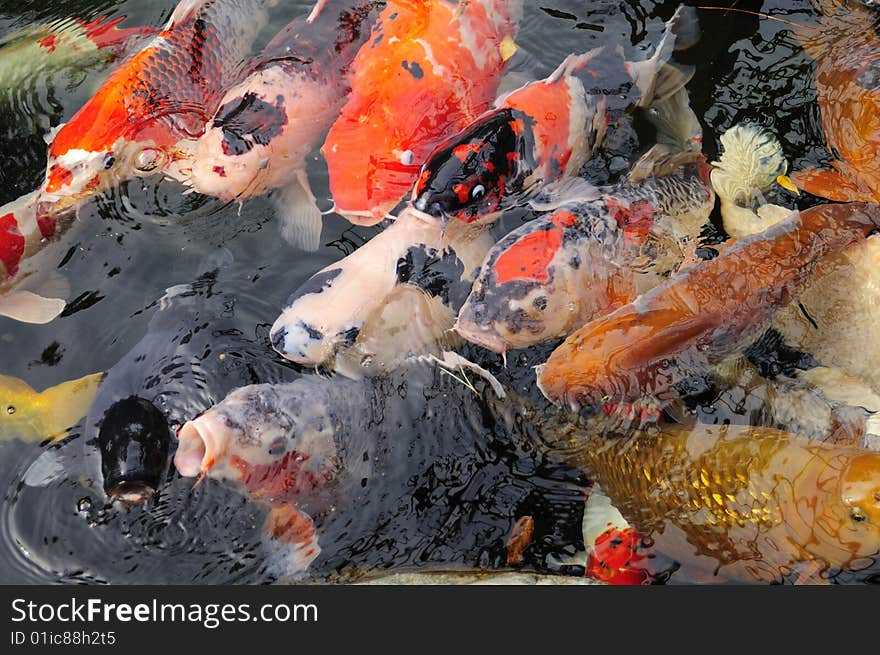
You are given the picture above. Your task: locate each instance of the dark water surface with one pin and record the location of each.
(458, 480)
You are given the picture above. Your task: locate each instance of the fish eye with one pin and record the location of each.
(540, 303)
(857, 515)
(10, 410)
(148, 159)
(109, 160)
(478, 192)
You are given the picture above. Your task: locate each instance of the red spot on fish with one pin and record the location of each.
(106, 34)
(58, 177)
(463, 191)
(529, 257)
(285, 478)
(47, 225)
(94, 183)
(11, 244)
(563, 218)
(615, 558)
(465, 149)
(635, 220)
(49, 42)
(552, 132)
(518, 126)
(422, 181)
(220, 171)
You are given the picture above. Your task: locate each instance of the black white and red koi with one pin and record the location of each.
(393, 298)
(546, 130)
(268, 123)
(557, 272)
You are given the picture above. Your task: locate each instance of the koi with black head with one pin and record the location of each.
(480, 172)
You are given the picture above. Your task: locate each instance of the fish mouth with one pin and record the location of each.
(132, 492)
(425, 217)
(202, 442)
(483, 337)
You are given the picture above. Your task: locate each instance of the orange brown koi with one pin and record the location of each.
(701, 315)
(428, 70)
(846, 51)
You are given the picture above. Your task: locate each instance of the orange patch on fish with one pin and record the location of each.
(285, 478)
(550, 107)
(393, 108)
(519, 539)
(58, 177)
(529, 257)
(466, 149)
(615, 558)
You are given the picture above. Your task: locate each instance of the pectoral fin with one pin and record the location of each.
(29, 307)
(293, 534)
(298, 214)
(828, 183)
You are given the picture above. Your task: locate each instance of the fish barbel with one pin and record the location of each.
(161, 96)
(428, 70)
(701, 315)
(742, 503)
(268, 123)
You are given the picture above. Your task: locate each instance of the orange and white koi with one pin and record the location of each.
(428, 70)
(161, 96)
(268, 123)
(546, 130)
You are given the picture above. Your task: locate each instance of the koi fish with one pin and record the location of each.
(429, 69)
(838, 312)
(701, 315)
(546, 130)
(70, 43)
(192, 353)
(595, 249)
(160, 97)
(738, 503)
(22, 235)
(393, 298)
(268, 123)
(44, 415)
(845, 47)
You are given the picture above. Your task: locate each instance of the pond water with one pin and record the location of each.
(457, 478)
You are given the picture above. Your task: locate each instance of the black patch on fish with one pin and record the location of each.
(437, 274)
(350, 336)
(278, 340)
(318, 283)
(413, 69)
(248, 121)
(314, 333)
(773, 357)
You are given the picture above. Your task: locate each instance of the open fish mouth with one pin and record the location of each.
(132, 492)
(202, 442)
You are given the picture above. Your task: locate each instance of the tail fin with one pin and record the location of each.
(679, 138)
(68, 402)
(656, 78)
